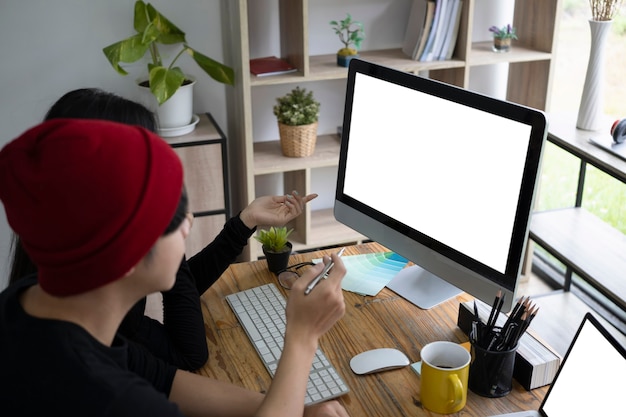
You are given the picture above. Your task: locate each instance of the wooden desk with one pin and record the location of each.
(370, 322)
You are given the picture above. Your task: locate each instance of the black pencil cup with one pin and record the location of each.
(491, 372)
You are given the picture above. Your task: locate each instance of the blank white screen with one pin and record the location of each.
(444, 169)
(589, 384)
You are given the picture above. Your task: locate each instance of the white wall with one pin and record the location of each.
(51, 47)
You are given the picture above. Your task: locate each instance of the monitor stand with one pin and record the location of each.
(422, 288)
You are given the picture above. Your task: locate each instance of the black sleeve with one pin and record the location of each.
(180, 339)
(208, 265)
(159, 374)
(148, 395)
(183, 322)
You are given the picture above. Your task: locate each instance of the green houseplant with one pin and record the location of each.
(351, 34)
(154, 29)
(502, 37)
(297, 114)
(276, 246)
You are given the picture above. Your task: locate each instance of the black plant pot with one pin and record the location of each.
(277, 261)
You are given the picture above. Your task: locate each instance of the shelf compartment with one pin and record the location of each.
(482, 54)
(324, 67)
(269, 159)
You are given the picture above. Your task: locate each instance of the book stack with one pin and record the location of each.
(432, 29)
(536, 363)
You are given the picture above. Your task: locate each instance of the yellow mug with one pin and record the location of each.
(444, 374)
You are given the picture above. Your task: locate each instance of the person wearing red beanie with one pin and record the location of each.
(101, 211)
(180, 340)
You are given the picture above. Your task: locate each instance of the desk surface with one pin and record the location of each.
(370, 322)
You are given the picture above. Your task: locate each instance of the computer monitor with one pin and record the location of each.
(441, 175)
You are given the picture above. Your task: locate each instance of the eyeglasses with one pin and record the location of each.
(289, 275)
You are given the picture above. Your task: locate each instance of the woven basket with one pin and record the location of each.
(297, 141)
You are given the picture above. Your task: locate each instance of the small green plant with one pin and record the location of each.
(274, 239)
(505, 32)
(350, 32)
(297, 108)
(153, 29)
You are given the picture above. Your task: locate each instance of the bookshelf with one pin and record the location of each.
(529, 83)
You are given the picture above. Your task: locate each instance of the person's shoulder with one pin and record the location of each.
(18, 286)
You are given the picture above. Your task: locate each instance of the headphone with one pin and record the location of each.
(618, 131)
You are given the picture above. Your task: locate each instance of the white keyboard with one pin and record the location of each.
(261, 312)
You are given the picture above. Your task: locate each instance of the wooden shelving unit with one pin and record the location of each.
(529, 83)
(205, 161)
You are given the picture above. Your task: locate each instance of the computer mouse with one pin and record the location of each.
(377, 360)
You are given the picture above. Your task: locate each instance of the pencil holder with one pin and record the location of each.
(491, 372)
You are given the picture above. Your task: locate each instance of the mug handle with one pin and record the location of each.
(457, 387)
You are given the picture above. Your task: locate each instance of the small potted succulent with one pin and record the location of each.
(502, 37)
(163, 80)
(276, 246)
(351, 34)
(297, 114)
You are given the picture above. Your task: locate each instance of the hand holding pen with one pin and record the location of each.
(322, 275)
(312, 314)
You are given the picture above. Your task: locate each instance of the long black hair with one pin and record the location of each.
(94, 103)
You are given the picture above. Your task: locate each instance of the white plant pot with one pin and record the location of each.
(177, 112)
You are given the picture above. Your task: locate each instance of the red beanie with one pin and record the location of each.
(88, 199)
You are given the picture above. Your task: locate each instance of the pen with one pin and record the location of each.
(321, 275)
